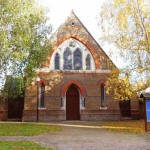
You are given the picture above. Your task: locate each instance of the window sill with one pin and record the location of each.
(103, 108)
(41, 108)
(74, 71)
(62, 108)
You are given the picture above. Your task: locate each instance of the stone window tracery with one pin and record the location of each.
(72, 55)
(67, 59)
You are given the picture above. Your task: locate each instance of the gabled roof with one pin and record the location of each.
(74, 28)
(72, 12)
(145, 93)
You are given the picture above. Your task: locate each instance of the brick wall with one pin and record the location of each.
(3, 110)
(73, 28)
(53, 94)
(88, 83)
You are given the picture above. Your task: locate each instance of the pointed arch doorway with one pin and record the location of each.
(72, 103)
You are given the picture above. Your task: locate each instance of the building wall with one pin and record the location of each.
(53, 96)
(135, 110)
(57, 82)
(73, 28)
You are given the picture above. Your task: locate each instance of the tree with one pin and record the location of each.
(23, 38)
(14, 87)
(125, 23)
(119, 86)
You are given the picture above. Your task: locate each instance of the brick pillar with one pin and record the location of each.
(3, 110)
(135, 109)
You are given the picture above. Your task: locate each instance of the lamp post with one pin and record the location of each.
(37, 111)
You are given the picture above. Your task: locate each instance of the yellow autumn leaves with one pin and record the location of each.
(119, 86)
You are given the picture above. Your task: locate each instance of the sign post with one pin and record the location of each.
(147, 113)
(146, 96)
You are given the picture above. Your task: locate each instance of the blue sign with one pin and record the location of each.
(148, 110)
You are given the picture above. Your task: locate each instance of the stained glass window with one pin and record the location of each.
(88, 62)
(77, 59)
(72, 55)
(67, 59)
(57, 61)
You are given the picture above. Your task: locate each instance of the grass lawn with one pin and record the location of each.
(26, 129)
(21, 145)
(131, 126)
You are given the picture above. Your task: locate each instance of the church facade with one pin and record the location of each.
(71, 83)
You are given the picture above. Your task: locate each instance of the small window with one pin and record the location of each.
(103, 100)
(72, 23)
(83, 103)
(57, 61)
(88, 62)
(42, 96)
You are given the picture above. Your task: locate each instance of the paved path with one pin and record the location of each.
(88, 138)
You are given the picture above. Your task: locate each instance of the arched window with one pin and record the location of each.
(103, 100)
(72, 55)
(42, 95)
(57, 61)
(77, 59)
(88, 62)
(67, 59)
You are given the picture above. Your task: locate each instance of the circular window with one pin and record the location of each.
(72, 23)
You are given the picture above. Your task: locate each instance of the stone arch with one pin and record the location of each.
(75, 82)
(86, 43)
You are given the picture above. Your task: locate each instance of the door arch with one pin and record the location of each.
(72, 103)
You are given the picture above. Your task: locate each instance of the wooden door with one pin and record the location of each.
(72, 104)
(15, 108)
(125, 108)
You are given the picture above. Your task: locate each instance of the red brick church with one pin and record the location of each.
(71, 83)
